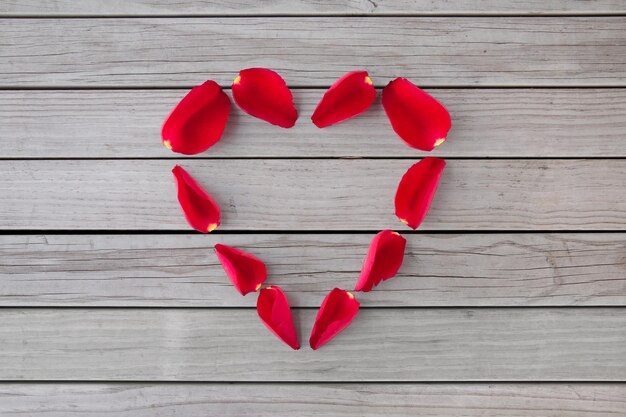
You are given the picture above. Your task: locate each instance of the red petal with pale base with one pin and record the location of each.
(417, 189)
(274, 311)
(420, 120)
(383, 260)
(201, 212)
(350, 95)
(262, 93)
(336, 313)
(246, 271)
(198, 120)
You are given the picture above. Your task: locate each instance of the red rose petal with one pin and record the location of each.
(416, 190)
(350, 95)
(336, 313)
(383, 260)
(246, 271)
(198, 120)
(420, 120)
(274, 311)
(262, 93)
(201, 212)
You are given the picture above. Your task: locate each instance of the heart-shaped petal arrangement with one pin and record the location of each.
(197, 123)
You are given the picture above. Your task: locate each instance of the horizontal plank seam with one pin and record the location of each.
(362, 307)
(314, 87)
(314, 382)
(320, 382)
(617, 13)
(27, 232)
(323, 158)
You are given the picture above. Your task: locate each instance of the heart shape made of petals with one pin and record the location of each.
(197, 123)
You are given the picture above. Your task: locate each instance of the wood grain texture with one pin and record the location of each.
(138, 313)
(306, 7)
(487, 123)
(314, 194)
(438, 270)
(351, 400)
(443, 51)
(538, 344)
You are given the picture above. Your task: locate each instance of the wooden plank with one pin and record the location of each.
(302, 7)
(448, 51)
(566, 344)
(439, 270)
(356, 400)
(331, 194)
(487, 123)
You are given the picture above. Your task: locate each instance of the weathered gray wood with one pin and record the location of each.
(357, 400)
(487, 123)
(551, 51)
(314, 194)
(305, 7)
(567, 344)
(438, 270)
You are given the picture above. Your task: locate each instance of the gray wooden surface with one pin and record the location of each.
(308, 194)
(576, 269)
(512, 297)
(306, 7)
(433, 51)
(513, 123)
(353, 400)
(382, 344)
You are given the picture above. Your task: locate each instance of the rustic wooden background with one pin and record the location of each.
(511, 301)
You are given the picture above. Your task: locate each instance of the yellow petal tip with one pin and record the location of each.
(167, 144)
(259, 286)
(350, 294)
(405, 221)
(439, 142)
(368, 80)
(211, 227)
(237, 80)
(395, 233)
